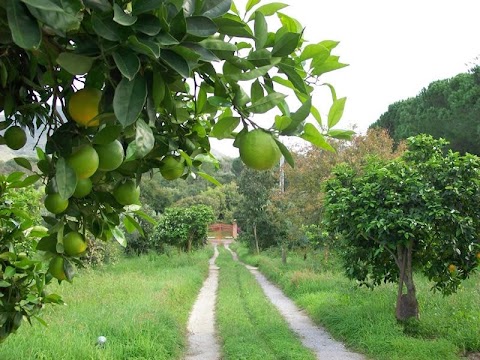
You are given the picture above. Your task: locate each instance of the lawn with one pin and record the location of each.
(449, 327)
(140, 305)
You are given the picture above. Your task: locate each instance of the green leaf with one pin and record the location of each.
(43, 5)
(102, 5)
(289, 23)
(219, 101)
(282, 122)
(131, 225)
(215, 8)
(233, 26)
(316, 51)
(209, 178)
(332, 91)
(316, 114)
(127, 62)
(122, 18)
(68, 19)
(29, 180)
(250, 75)
(295, 78)
(256, 92)
(286, 153)
(312, 135)
(224, 127)
(66, 179)
(158, 89)
(269, 9)
(261, 30)
(298, 117)
(341, 134)
(251, 4)
(201, 26)
(75, 64)
(166, 39)
(145, 216)
(23, 163)
(144, 139)
(25, 29)
(219, 45)
(129, 99)
(328, 65)
(118, 235)
(267, 103)
(106, 27)
(107, 134)
(336, 112)
(143, 6)
(176, 62)
(148, 24)
(147, 47)
(286, 45)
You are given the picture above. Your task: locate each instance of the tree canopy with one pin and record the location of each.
(417, 212)
(446, 108)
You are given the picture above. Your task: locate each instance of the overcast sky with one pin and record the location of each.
(394, 48)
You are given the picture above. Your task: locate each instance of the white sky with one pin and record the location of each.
(394, 48)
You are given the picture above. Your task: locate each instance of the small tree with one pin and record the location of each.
(185, 228)
(419, 212)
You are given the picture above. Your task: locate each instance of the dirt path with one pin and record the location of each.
(202, 340)
(312, 336)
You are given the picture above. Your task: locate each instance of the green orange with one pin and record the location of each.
(74, 244)
(55, 203)
(83, 106)
(258, 150)
(83, 188)
(172, 167)
(15, 137)
(110, 155)
(127, 193)
(56, 268)
(84, 161)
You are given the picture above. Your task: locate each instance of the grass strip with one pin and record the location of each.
(249, 326)
(449, 327)
(140, 304)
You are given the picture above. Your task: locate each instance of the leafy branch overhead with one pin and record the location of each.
(121, 89)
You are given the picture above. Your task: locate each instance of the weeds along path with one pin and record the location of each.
(202, 341)
(312, 337)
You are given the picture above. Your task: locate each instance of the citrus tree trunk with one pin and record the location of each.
(257, 248)
(407, 304)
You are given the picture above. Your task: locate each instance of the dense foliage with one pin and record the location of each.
(417, 212)
(436, 108)
(185, 228)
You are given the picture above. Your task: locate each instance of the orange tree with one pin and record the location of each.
(157, 77)
(416, 213)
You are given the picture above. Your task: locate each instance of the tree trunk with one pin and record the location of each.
(257, 248)
(189, 243)
(407, 304)
(284, 255)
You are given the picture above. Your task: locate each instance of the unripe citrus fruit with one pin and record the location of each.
(258, 150)
(172, 167)
(110, 156)
(55, 203)
(452, 268)
(84, 161)
(83, 106)
(15, 137)
(56, 268)
(127, 193)
(83, 188)
(74, 243)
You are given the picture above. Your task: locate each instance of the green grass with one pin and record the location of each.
(364, 319)
(249, 326)
(140, 304)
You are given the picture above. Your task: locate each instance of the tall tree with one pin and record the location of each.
(446, 108)
(416, 213)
